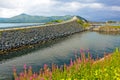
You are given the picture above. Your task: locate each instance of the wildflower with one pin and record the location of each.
(14, 73)
(71, 62)
(17, 79)
(45, 66)
(35, 75)
(79, 60)
(30, 71)
(31, 78)
(30, 67)
(42, 79)
(14, 69)
(81, 50)
(25, 67)
(21, 74)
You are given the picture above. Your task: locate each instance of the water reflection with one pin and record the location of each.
(110, 33)
(28, 50)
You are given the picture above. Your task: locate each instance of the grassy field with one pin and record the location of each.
(107, 68)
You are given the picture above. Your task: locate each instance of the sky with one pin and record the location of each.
(93, 10)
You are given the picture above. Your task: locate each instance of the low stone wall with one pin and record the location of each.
(17, 37)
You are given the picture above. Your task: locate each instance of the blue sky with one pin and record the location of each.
(93, 10)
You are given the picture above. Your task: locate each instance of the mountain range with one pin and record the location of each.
(25, 18)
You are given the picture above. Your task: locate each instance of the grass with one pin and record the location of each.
(115, 26)
(55, 21)
(84, 24)
(108, 26)
(83, 68)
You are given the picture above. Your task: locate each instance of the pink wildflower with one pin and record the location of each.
(81, 50)
(30, 67)
(34, 75)
(79, 60)
(45, 66)
(21, 74)
(71, 62)
(31, 78)
(42, 79)
(17, 79)
(25, 66)
(14, 69)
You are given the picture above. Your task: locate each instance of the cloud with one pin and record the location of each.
(42, 7)
(9, 8)
(115, 8)
(25, 6)
(75, 6)
(4, 12)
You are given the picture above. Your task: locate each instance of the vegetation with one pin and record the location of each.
(110, 28)
(83, 23)
(55, 21)
(114, 26)
(110, 21)
(83, 68)
(25, 18)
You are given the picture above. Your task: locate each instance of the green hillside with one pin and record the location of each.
(25, 18)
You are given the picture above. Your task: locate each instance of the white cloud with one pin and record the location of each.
(9, 8)
(88, 1)
(75, 6)
(41, 7)
(15, 7)
(71, 6)
(115, 8)
(96, 5)
(4, 12)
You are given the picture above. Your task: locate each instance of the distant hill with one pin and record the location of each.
(25, 18)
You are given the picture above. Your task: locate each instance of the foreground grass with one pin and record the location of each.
(107, 68)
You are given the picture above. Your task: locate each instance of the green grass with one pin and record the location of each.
(108, 26)
(107, 68)
(55, 21)
(115, 26)
(84, 24)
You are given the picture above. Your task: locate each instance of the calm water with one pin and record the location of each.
(10, 25)
(61, 51)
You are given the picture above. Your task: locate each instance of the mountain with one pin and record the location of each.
(25, 18)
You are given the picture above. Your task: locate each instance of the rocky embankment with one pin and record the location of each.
(17, 37)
